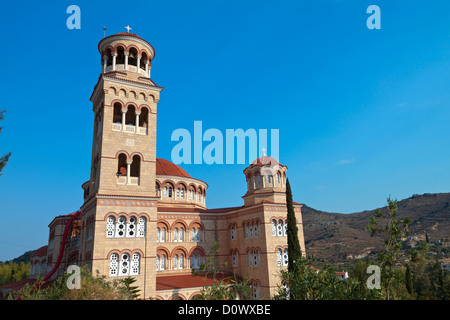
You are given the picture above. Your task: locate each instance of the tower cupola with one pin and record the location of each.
(126, 52)
(266, 180)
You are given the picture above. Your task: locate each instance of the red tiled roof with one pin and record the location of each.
(42, 251)
(196, 210)
(189, 281)
(167, 168)
(265, 160)
(129, 35)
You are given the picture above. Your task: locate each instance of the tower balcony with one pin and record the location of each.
(118, 127)
(129, 181)
(122, 67)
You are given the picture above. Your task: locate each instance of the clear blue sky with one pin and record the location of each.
(363, 114)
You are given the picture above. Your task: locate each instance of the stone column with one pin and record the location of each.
(129, 162)
(138, 63)
(126, 60)
(138, 113)
(114, 55)
(124, 113)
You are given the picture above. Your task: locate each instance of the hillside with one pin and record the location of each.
(336, 236)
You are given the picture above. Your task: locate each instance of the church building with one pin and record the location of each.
(145, 217)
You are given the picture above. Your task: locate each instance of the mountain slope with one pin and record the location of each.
(336, 236)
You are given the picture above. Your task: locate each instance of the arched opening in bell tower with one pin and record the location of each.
(135, 169)
(143, 118)
(133, 57)
(120, 55)
(108, 53)
(117, 116)
(122, 165)
(130, 118)
(144, 58)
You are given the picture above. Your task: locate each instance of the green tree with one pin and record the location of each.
(4, 158)
(394, 230)
(311, 281)
(133, 290)
(294, 250)
(13, 272)
(224, 286)
(408, 279)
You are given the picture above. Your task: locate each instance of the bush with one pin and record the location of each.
(92, 288)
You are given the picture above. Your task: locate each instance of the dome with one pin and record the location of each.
(265, 161)
(167, 168)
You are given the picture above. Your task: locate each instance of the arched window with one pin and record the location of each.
(175, 235)
(110, 227)
(256, 290)
(120, 227)
(142, 226)
(181, 235)
(124, 265)
(195, 234)
(255, 258)
(280, 228)
(233, 232)
(157, 190)
(175, 262)
(162, 262)
(285, 257)
(162, 235)
(279, 258)
(235, 259)
(181, 262)
(135, 264)
(131, 227)
(274, 228)
(285, 228)
(113, 265)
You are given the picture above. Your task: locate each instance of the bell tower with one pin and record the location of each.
(119, 210)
